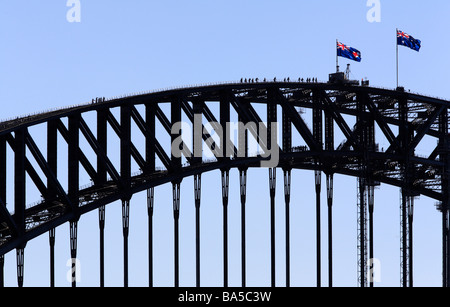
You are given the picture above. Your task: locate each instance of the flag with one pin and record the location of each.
(404, 39)
(348, 52)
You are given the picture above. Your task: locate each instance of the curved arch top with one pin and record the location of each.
(338, 129)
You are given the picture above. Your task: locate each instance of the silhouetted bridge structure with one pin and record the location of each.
(402, 119)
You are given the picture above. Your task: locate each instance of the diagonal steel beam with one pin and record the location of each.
(35, 177)
(299, 123)
(83, 159)
(425, 128)
(205, 134)
(434, 154)
(7, 217)
(168, 127)
(29, 169)
(144, 129)
(165, 122)
(118, 130)
(331, 109)
(247, 113)
(46, 169)
(214, 123)
(95, 145)
(380, 120)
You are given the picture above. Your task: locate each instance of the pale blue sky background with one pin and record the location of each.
(122, 47)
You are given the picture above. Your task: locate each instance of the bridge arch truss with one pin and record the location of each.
(341, 136)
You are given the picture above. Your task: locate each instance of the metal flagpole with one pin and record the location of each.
(337, 58)
(396, 37)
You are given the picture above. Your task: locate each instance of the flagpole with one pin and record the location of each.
(396, 37)
(337, 58)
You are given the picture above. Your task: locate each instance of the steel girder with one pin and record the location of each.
(422, 117)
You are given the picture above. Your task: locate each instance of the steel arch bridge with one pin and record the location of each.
(348, 122)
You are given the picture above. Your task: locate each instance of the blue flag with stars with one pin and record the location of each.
(348, 52)
(407, 40)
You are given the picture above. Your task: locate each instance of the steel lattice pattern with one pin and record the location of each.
(340, 138)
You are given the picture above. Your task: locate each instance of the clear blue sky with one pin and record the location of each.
(122, 47)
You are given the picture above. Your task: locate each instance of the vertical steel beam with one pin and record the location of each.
(176, 217)
(125, 167)
(330, 228)
(287, 198)
(101, 223)
(243, 190)
(175, 118)
(370, 147)
(150, 157)
(287, 133)
(272, 186)
(125, 147)
(318, 137)
(19, 180)
(73, 250)
(403, 131)
(52, 160)
(73, 160)
(125, 228)
(197, 159)
(197, 195)
(406, 135)
(410, 240)
(318, 180)
(366, 138)
(243, 150)
(444, 156)
(362, 239)
(73, 184)
(52, 156)
(150, 152)
(19, 197)
(287, 147)
(175, 113)
(52, 234)
(272, 118)
(150, 209)
(444, 213)
(329, 146)
(243, 139)
(404, 240)
(197, 132)
(371, 203)
(225, 124)
(20, 257)
(102, 139)
(225, 175)
(225, 189)
(102, 129)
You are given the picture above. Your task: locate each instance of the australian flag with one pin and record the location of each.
(348, 52)
(404, 39)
